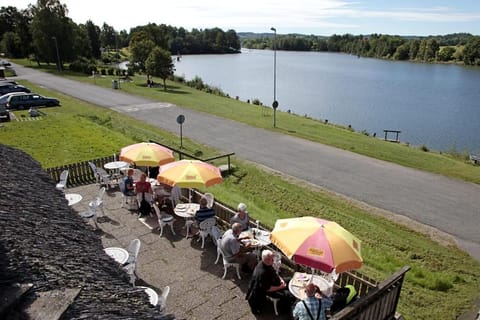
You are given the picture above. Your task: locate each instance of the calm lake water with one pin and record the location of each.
(434, 105)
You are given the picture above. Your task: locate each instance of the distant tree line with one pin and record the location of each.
(36, 31)
(457, 48)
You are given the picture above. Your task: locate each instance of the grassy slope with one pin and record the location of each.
(442, 284)
(309, 129)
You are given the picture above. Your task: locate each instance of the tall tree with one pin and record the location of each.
(140, 47)
(18, 22)
(159, 64)
(471, 53)
(93, 32)
(51, 28)
(108, 36)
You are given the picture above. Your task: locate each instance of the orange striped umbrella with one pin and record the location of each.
(317, 243)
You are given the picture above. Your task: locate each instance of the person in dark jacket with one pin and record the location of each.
(266, 282)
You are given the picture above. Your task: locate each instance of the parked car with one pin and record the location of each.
(10, 87)
(4, 98)
(4, 114)
(29, 100)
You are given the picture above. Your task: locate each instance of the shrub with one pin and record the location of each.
(110, 71)
(424, 148)
(103, 72)
(256, 102)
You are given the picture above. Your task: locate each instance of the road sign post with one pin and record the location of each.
(180, 121)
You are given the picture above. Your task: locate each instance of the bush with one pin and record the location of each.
(103, 72)
(256, 102)
(424, 148)
(110, 71)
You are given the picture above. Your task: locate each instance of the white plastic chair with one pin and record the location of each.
(162, 301)
(205, 229)
(62, 184)
(133, 250)
(275, 302)
(105, 179)
(95, 172)
(226, 264)
(130, 268)
(210, 199)
(164, 219)
(97, 203)
(90, 215)
(175, 195)
(277, 261)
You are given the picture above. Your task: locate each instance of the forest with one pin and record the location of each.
(461, 48)
(36, 32)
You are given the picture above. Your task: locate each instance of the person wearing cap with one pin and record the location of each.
(241, 216)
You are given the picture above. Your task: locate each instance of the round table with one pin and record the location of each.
(186, 211)
(118, 254)
(152, 295)
(296, 286)
(73, 198)
(116, 165)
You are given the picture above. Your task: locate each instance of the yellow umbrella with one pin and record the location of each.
(189, 174)
(146, 154)
(317, 243)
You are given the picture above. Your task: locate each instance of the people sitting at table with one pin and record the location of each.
(241, 216)
(313, 306)
(204, 212)
(265, 281)
(234, 251)
(129, 189)
(144, 192)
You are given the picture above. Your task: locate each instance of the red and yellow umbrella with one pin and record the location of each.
(146, 154)
(317, 243)
(189, 174)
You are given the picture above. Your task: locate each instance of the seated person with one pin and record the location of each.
(144, 195)
(342, 297)
(241, 216)
(265, 281)
(129, 189)
(204, 212)
(313, 306)
(143, 186)
(234, 251)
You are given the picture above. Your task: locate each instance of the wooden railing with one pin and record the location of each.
(379, 304)
(79, 173)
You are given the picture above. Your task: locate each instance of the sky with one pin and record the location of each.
(318, 17)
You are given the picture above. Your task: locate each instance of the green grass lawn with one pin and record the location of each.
(442, 284)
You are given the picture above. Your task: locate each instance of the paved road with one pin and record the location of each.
(449, 205)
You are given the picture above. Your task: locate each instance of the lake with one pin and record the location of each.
(432, 104)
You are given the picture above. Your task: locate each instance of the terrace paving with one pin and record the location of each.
(197, 290)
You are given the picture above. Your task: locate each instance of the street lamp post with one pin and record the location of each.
(275, 102)
(59, 66)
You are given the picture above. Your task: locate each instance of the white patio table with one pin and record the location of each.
(118, 254)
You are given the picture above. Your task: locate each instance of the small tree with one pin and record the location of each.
(159, 64)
